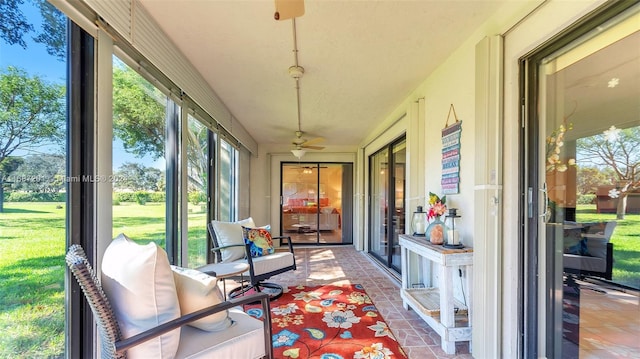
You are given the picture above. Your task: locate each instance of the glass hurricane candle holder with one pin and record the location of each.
(452, 239)
(419, 222)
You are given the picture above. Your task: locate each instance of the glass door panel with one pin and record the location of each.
(330, 203)
(399, 160)
(379, 195)
(589, 93)
(313, 206)
(386, 210)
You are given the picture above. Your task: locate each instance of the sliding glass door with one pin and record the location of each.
(586, 132)
(386, 210)
(316, 202)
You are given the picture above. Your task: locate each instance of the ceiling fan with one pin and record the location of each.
(299, 142)
(286, 9)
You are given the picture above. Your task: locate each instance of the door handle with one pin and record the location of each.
(544, 191)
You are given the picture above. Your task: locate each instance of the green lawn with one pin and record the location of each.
(32, 280)
(32, 248)
(626, 243)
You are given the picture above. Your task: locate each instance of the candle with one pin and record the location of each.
(453, 236)
(420, 228)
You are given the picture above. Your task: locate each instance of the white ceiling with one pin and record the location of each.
(361, 58)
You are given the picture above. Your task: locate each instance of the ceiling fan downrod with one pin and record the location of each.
(296, 71)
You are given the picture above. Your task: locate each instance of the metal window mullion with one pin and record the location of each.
(80, 327)
(171, 188)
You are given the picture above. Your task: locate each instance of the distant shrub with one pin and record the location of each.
(124, 197)
(134, 196)
(35, 197)
(589, 198)
(157, 196)
(141, 197)
(196, 197)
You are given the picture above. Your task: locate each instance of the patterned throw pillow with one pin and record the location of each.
(580, 248)
(260, 240)
(570, 239)
(574, 243)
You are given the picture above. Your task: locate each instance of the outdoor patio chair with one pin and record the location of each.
(232, 244)
(244, 337)
(595, 254)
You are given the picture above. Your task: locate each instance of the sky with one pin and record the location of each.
(36, 61)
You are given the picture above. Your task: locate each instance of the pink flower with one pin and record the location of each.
(437, 206)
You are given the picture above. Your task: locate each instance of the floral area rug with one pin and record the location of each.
(329, 322)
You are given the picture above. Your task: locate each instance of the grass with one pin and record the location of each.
(626, 243)
(32, 237)
(32, 249)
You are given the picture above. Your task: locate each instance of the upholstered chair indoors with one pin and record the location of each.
(242, 241)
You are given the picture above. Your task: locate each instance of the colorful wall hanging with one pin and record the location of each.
(451, 155)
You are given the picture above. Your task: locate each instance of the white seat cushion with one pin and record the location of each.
(230, 233)
(244, 339)
(197, 290)
(272, 262)
(585, 263)
(139, 283)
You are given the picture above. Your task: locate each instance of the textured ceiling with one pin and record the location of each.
(361, 58)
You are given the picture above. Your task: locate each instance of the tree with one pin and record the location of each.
(40, 174)
(136, 177)
(138, 113)
(6, 168)
(14, 26)
(31, 113)
(13, 23)
(197, 148)
(618, 150)
(53, 34)
(589, 178)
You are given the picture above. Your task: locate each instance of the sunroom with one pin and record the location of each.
(333, 127)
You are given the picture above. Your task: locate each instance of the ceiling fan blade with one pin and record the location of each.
(313, 147)
(314, 140)
(287, 9)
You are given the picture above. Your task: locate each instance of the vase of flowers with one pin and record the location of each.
(436, 231)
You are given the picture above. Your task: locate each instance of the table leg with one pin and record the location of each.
(447, 315)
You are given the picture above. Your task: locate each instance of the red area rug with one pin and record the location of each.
(329, 322)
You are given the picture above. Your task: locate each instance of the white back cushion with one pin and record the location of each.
(139, 283)
(197, 290)
(230, 233)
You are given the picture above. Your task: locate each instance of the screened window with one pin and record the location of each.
(198, 191)
(33, 178)
(227, 181)
(139, 166)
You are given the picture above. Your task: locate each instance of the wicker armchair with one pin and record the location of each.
(114, 346)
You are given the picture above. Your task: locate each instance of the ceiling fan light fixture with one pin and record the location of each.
(298, 152)
(296, 71)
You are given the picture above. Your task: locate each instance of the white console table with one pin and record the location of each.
(436, 304)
